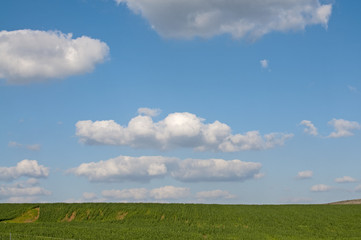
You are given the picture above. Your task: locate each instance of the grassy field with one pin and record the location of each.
(178, 221)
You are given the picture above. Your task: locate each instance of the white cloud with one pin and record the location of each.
(126, 168)
(345, 179)
(259, 175)
(264, 63)
(24, 168)
(31, 147)
(242, 18)
(193, 170)
(215, 194)
(126, 194)
(343, 128)
(177, 130)
(169, 192)
(310, 128)
(162, 193)
(31, 182)
(320, 188)
(31, 199)
(149, 112)
(14, 144)
(10, 192)
(305, 174)
(145, 168)
(34, 147)
(33, 56)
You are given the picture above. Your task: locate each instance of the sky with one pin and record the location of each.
(194, 101)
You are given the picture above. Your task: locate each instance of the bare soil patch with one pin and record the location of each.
(69, 219)
(121, 215)
(28, 217)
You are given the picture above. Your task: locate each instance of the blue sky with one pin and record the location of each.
(192, 101)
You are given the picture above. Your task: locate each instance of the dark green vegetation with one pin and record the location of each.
(178, 221)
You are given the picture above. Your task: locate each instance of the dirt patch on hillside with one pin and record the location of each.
(354, 201)
(121, 215)
(28, 217)
(35, 218)
(69, 219)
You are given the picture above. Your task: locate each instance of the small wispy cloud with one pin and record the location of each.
(14, 144)
(151, 112)
(264, 63)
(137, 194)
(320, 188)
(31, 147)
(34, 147)
(345, 179)
(358, 188)
(352, 89)
(343, 128)
(309, 127)
(215, 194)
(297, 200)
(305, 174)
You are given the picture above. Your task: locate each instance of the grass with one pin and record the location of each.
(180, 221)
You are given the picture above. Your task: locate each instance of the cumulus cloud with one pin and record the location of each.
(345, 179)
(22, 191)
(264, 63)
(146, 168)
(242, 18)
(126, 168)
(177, 130)
(343, 128)
(162, 193)
(11, 192)
(320, 188)
(24, 168)
(305, 174)
(215, 194)
(194, 170)
(28, 56)
(309, 127)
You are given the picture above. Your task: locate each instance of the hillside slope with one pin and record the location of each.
(354, 201)
(180, 221)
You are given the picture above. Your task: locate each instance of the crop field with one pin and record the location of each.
(178, 221)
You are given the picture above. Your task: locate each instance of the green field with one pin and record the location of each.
(178, 221)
